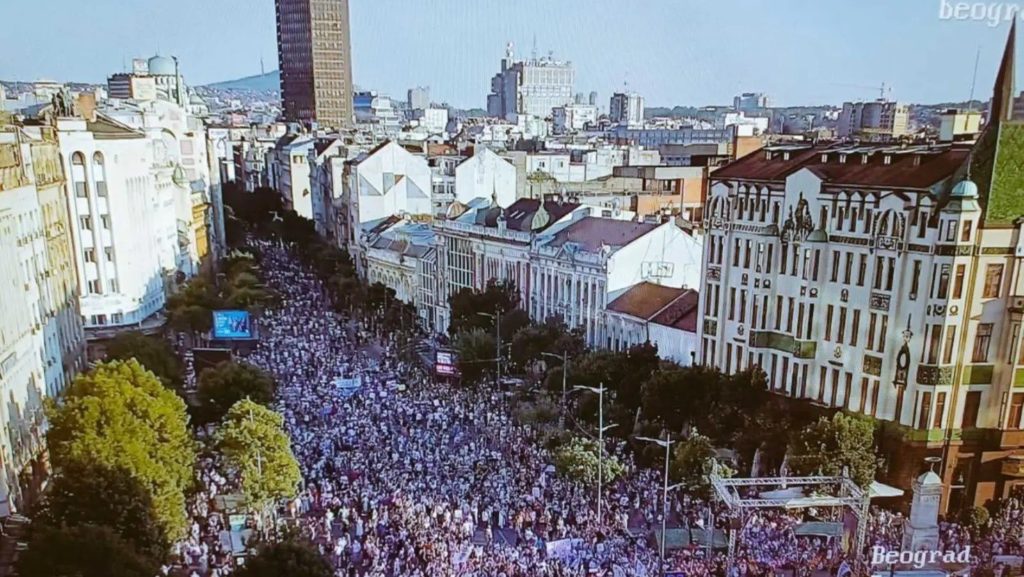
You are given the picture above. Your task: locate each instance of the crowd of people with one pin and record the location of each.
(405, 475)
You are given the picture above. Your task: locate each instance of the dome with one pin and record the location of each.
(929, 478)
(965, 189)
(162, 66)
(196, 99)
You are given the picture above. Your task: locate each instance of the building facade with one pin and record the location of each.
(627, 109)
(315, 60)
(879, 120)
(41, 338)
(530, 87)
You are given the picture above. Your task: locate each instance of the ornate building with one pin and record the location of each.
(883, 281)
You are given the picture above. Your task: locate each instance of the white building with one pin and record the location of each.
(418, 98)
(124, 196)
(432, 120)
(392, 255)
(663, 316)
(759, 124)
(326, 162)
(573, 117)
(485, 175)
(289, 172)
(41, 339)
(384, 182)
(577, 271)
(878, 120)
(627, 109)
(530, 87)
(750, 101)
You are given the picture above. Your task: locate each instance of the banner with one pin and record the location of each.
(562, 548)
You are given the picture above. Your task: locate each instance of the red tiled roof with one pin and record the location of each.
(592, 233)
(914, 167)
(681, 313)
(645, 300)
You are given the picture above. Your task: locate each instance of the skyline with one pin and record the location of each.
(465, 42)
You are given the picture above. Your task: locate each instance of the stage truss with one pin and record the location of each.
(844, 494)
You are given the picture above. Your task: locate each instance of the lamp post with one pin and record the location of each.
(601, 428)
(497, 332)
(667, 444)
(564, 357)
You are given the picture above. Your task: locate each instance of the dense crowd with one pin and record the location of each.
(405, 476)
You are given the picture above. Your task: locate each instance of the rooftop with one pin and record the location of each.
(591, 233)
(904, 167)
(645, 300)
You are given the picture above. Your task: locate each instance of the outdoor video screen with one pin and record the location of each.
(232, 325)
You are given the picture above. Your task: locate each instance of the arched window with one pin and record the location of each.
(78, 175)
(99, 174)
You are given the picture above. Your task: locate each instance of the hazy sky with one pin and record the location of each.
(671, 51)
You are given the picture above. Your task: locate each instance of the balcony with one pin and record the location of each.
(784, 343)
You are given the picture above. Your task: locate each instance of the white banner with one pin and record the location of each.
(563, 548)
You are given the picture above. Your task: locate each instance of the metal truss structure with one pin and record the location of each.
(841, 493)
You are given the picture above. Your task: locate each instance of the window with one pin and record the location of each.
(965, 232)
(778, 312)
(848, 389)
(943, 282)
(835, 388)
(828, 324)
(951, 232)
(933, 344)
(746, 255)
(816, 266)
(85, 222)
(785, 258)
(732, 303)
(915, 279)
(728, 358)
(842, 325)
(982, 340)
(891, 272)
(847, 274)
(958, 281)
(90, 255)
(1016, 411)
(947, 349)
(993, 281)
(810, 319)
(94, 287)
(874, 398)
(1013, 342)
(863, 395)
(736, 252)
(862, 270)
(105, 221)
(835, 266)
(879, 266)
(882, 334)
(922, 223)
(822, 377)
(743, 305)
(789, 317)
(872, 317)
(112, 285)
(855, 329)
(926, 409)
(940, 411)
(972, 403)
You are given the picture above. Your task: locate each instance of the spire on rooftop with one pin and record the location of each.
(1002, 94)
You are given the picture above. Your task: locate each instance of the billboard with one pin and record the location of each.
(232, 325)
(445, 364)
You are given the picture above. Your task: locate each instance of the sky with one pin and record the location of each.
(674, 52)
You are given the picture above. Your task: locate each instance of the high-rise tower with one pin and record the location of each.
(314, 56)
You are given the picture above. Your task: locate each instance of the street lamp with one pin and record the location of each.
(564, 357)
(667, 444)
(497, 330)
(601, 428)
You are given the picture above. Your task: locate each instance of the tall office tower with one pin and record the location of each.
(315, 58)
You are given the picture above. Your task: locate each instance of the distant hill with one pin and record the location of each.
(271, 81)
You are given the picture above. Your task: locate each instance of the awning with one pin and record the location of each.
(881, 490)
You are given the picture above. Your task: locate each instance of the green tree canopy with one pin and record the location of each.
(830, 445)
(466, 304)
(119, 414)
(191, 308)
(286, 559)
(476, 350)
(153, 353)
(579, 460)
(551, 336)
(258, 452)
(82, 551)
(693, 462)
(96, 494)
(222, 386)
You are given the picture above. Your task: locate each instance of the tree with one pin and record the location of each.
(976, 519)
(830, 445)
(96, 494)
(287, 558)
(499, 296)
(82, 551)
(191, 308)
(119, 414)
(551, 336)
(258, 453)
(579, 459)
(693, 462)
(153, 353)
(222, 386)
(476, 350)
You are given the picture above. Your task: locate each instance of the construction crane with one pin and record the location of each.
(884, 91)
